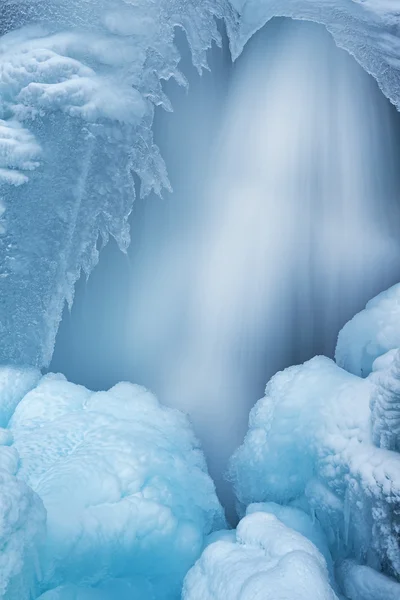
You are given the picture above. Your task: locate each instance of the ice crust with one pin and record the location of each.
(264, 561)
(310, 445)
(122, 481)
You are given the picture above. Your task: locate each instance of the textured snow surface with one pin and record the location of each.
(124, 484)
(298, 520)
(371, 333)
(309, 444)
(385, 402)
(264, 561)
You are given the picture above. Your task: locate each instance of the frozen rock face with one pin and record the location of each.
(124, 484)
(310, 445)
(78, 86)
(264, 560)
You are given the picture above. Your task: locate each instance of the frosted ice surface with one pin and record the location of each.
(265, 561)
(385, 402)
(363, 583)
(299, 521)
(22, 515)
(15, 382)
(371, 333)
(22, 527)
(124, 484)
(309, 444)
(114, 589)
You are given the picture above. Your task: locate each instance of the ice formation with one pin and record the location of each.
(360, 582)
(310, 445)
(123, 482)
(78, 86)
(370, 334)
(264, 560)
(367, 29)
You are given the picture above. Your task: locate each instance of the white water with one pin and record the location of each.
(294, 232)
(284, 226)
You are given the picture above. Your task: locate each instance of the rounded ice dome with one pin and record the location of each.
(124, 483)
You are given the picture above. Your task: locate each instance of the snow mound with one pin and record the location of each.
(124, 483)
(265, 561)
(363, 583)
(310, 445)
(299, 521)
(370, 334)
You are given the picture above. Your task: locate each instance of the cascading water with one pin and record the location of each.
(281, 228)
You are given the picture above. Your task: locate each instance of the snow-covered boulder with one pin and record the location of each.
(264, 560)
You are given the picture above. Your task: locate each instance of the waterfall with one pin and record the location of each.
(284, 222)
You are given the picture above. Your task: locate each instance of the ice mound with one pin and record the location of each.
(22, 516)
(371, 333)
(299, 521)
(264, 561)
(310, 445)
(78, 85)
(125, 486)
(22, 527)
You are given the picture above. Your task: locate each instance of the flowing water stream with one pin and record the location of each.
(284, 221)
